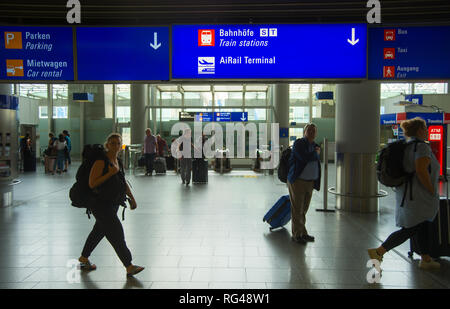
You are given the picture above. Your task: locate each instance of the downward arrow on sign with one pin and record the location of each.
(353, 41)
(155, 44)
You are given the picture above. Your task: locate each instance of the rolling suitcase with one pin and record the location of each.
(141, 161)
(438, 232)
(200, 171)
(170, 163)
(279, 214)
(159, 165)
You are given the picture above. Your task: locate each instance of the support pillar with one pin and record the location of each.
(153, 105)
(6, 89)
(51, 126)
(138, 100)
(9, 146)
(281, 107)
(357, 142)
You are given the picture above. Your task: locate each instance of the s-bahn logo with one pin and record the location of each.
(206, 37)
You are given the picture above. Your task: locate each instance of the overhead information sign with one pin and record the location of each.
(123, 54)
(204, 117)
(336, 51)
(401, 53)
(36, 53)
(221, 116)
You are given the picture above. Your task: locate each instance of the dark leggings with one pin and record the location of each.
(149, 158)
(107, 224)
(399, 237)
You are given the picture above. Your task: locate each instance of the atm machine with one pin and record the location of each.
(437, 131)
(9, 145)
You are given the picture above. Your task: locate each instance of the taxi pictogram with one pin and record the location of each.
(389, 53)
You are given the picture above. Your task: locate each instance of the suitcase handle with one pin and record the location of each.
(448, 216)
(448, 223)
(439, 226)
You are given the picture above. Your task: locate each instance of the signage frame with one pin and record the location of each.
(147, 81)
(45, 81)
(268, 80)
(402, 25)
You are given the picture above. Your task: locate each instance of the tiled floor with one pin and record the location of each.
(199, 237)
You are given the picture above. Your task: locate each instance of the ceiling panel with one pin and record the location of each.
(148, 12)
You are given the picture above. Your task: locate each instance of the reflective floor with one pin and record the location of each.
(202, 236)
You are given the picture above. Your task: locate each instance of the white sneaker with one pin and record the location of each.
(429, 265)
(373, 254)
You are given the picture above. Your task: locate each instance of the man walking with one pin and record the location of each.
(303, 177)
(150, 151)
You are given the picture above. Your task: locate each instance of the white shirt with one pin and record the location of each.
(60, 145)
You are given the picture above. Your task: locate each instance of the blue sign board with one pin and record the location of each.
(36, 53)
(284, 132)
(324, 95)
(83, 97)
(222, 117)
(415, 98)
(336, 51)
(123, 54)
(231, 116)
(401, 53)
(387, 119)
(430, 118)
(204, 117)
(9, 102)
(238, 116)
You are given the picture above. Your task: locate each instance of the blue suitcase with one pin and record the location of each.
(279, 214)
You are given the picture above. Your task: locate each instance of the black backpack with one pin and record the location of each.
(80, 193)
(390, 171)
(113, 190)
(283, 167)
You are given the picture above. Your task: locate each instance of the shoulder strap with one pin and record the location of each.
(409, 180)
(121, 166)
(106, 168)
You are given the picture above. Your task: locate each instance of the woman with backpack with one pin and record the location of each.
(419, 204)
(107, 179)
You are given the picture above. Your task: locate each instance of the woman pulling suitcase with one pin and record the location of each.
(421, 201)
(104, 207)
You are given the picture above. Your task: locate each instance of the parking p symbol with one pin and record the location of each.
(13, 40)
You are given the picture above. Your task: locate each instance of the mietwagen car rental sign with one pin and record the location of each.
(334, 51)
(36, 53)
